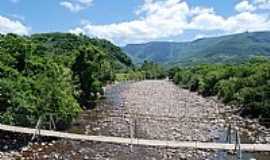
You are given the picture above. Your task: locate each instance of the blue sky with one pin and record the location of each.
(135, 21)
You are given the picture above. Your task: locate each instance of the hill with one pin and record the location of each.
(54, 74)
(67, 43)
(224, 49)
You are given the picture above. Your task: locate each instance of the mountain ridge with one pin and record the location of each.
(223, 49)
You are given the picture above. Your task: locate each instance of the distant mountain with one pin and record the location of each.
(224, 49)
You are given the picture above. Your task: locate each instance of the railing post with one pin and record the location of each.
(37, 128)
(131, 136)
(239, 154)
(229, 135)
(135, 128)
(238, 146)
(52, 123)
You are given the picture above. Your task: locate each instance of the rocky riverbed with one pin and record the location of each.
(149, 110)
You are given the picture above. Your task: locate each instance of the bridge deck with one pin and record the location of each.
(144, 142)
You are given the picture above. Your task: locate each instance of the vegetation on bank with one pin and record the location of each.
(58, 74)
(246, 85)
(54, 73)
(148, 70)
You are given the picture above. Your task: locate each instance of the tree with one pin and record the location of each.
(53, 73)
(246, 85)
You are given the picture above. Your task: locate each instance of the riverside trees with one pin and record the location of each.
(148, 70)
(53, 74)
(246, 85)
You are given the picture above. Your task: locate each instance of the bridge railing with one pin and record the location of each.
(142, 124)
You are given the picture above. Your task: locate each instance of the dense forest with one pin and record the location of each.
(54, 74)
(245, 85)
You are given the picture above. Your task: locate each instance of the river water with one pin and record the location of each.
(148, 110)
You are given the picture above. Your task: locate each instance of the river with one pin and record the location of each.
(149, 110)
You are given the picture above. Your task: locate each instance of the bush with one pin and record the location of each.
(246, 85)
(53, 74)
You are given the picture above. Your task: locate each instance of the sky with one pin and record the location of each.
(135, 21)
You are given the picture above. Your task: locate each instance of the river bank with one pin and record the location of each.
(151, 110)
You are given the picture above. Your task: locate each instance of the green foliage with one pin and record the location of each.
(148, 70)
(246, 85)
(132, 74)
(53, 74)
(152, 70)
(115, 52)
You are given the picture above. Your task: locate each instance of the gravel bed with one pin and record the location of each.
(152, 109)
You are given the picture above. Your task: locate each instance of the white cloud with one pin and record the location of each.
(76, 5)
(77, 31)
(207, 21)
(247, 21)
(161, 19)
(12, 26)
(204, 35)
(262, 4)
(201, 10)
(238, 23)
(245, 6)
(157, 19)
(72, 7)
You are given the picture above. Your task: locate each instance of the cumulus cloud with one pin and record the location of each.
(247, 21)
(206, 21)
(161, 19)
(244, 21)
(12, 26)
(201, 10)
(157, 19)
(262, 4)
(245, 6)
(76, 5)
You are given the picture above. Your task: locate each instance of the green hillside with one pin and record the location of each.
(54, 74)
(224, 49)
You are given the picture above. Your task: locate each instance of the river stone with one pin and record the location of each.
(85, 157)
(253, 126)
(45, 156)
(24, 149)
